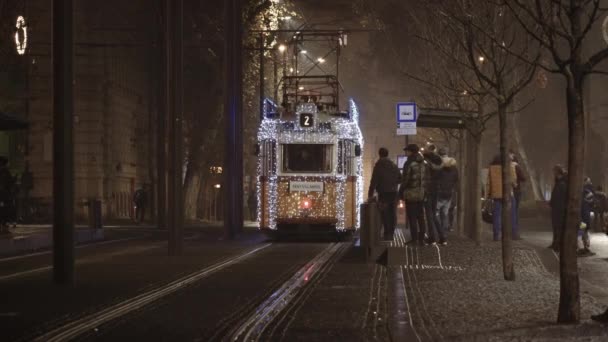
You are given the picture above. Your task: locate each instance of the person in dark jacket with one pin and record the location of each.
(140, 199)
(517, 188)
(414, 187)
(558, 204)
(434, 162)
(385, 180)
(7, 183)
(600, 206)
(587, 200)
(447, 180)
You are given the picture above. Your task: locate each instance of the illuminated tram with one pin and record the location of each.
(309, 160)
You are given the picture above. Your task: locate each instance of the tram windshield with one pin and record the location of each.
(307, 158)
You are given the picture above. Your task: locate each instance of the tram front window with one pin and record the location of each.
(307, 158)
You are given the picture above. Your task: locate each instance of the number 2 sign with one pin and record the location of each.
(306, 120)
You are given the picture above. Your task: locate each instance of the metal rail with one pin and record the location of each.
(92, 321)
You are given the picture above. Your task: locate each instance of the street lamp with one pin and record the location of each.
(304, 52)
(481, 59)
(282, 48)
(321, 60)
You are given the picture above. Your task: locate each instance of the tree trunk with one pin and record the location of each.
(507, 250)
(569, 298)
(532, 175)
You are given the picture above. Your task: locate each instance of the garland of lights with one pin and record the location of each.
(289, 132)
(21, 45)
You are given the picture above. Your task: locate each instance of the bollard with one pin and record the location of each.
(370, 227)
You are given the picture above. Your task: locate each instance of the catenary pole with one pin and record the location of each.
(161, 128)
(233, 160)
(63, 147)
(174, 60)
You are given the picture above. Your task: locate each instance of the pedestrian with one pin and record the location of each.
(446, 183)
(252, 205)
(434, 162)
(517, 189)
(558, 204)
(385, 180)
(7, 183)
(586, 207)
(414, 186)
(25, 187)
(140, 199)
(600, 206)
(495, 192)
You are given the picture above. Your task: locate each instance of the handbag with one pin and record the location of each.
(487, 210)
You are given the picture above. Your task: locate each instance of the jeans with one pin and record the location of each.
(443, 217)
(430, 210)
(415, 218)
(388, 203)
(497, 221)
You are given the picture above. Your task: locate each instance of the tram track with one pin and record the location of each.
(286, 301)
(90, 322)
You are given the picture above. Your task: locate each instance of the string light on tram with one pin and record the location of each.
(344, 129)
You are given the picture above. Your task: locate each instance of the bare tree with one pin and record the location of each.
(561, 27)
(478, 38)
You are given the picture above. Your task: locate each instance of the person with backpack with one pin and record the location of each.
(414, 188)
(385, 180)
(495, 192)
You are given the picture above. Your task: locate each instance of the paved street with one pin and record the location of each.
(319, 290)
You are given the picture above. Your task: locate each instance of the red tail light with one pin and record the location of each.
(305, 203)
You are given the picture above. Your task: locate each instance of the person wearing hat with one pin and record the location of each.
(385, 180)
(414, 187)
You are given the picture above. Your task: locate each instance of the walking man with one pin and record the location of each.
(385, 180)
(140, 199)
(517, 190)
(558, 204)
(7, 183)
(599, 208)
(434, 162)
(414, 187)
(446, 183)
